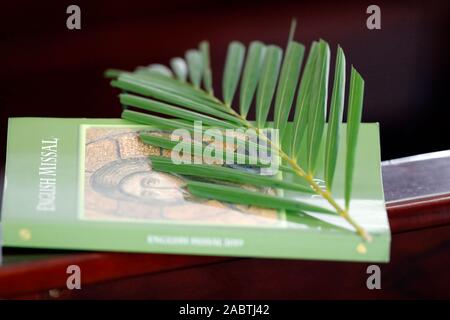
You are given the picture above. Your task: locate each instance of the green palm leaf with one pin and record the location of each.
(168, 84)
(290, 72)
(303, 104)
(159, 99)
(166, 109)
(267, 84)
(250, 78)
(317, 111)
(355, 104)
(172, 98)
(242, 196)
(152, 120)
(179, 67)
(334, 123)
(207, 73)
(197, 149)
(195, 65)
(232, 72)
(224, 174)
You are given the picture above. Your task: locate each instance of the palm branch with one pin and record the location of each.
(176, 97)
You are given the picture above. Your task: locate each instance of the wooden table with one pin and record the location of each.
(419, 267)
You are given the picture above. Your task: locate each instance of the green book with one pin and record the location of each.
(88, 184)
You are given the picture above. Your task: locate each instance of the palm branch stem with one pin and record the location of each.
(296, 169)
(325, 194)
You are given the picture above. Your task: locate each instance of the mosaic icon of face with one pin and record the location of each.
(133, 180)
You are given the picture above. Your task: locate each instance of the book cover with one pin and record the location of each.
(87, 184)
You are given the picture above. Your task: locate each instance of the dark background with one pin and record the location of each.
(50, 71)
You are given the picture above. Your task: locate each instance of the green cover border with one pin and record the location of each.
(63, 231)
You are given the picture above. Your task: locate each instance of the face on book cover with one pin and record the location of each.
(119, 184)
